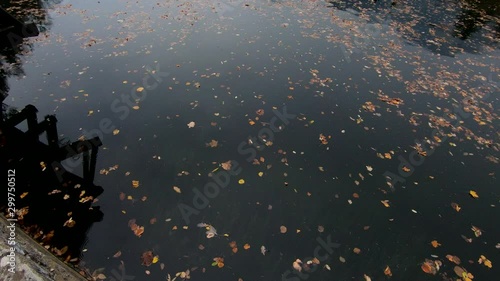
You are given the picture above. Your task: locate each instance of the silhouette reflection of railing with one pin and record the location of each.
(53, 205)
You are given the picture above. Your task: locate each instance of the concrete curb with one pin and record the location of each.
(32, 261)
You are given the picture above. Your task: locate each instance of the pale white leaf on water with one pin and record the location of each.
(297, 265)
(263, 250)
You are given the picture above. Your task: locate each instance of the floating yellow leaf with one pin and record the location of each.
(485, 261)
(135, 107)
(241, 181)
(473, 194)
(116, 132)
(135, 184)
(176, 189)
(156, 259)
(260, 174)
(386, 203)
(140, 89)
(251, 122)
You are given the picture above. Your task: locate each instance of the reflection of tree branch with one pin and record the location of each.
(468, 22)
(11, 52)
(474, 15)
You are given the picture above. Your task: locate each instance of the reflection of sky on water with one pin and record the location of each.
(247, 58)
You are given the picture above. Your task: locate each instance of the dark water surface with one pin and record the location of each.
(430, 69)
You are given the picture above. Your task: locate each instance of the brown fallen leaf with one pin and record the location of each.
(147, 258)
(213, 143)
(226, 165)
(455, 206)
(387, 271)
(283, 229)
(454, 259)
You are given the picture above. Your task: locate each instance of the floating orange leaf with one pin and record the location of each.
(219, 262)
(429, 267)
(246, 246)
(435, 243)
